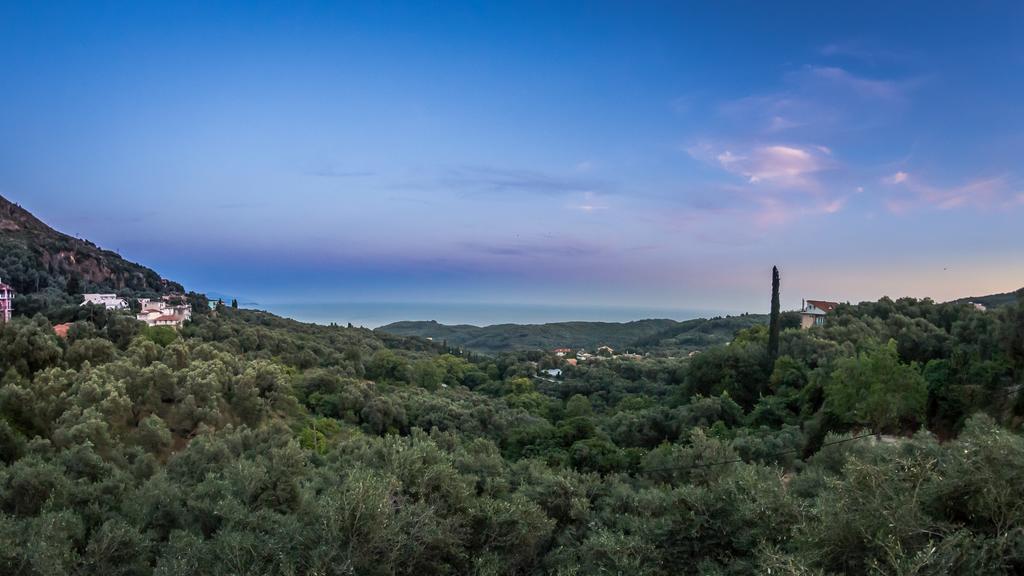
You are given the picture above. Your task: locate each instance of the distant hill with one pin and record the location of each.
(37, 260)
(511, 337)
(644, 335)
(992, 300)
(699, 333)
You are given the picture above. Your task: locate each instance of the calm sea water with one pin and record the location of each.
(376, 314)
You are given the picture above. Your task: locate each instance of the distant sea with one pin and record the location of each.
(376, 314)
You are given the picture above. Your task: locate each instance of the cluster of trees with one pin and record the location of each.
(654, 336)
(886, 441)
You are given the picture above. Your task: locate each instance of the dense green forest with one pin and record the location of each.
(653, 336)
(886, 442)
(499, 338)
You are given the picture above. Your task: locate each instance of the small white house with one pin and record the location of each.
(163, 313)
(813, 312)
(554, 372)
(108, 301)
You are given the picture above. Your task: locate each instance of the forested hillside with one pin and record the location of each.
(250, 444)
(47, 268)
(662, 335)
(885, 442)
(511, 337)
(991, 300)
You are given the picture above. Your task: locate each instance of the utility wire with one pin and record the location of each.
(739, 460)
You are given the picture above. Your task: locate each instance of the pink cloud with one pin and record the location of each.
(981, 193)
(774, 210)
(778, 165)
(818, 99)
(897, 178)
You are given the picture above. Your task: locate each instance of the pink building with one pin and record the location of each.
(6, 297)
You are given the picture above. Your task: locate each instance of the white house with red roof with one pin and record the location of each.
(813, 312)
(164, 312)
(6, 302)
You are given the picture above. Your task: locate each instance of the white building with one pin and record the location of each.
(163, 313)
(813, 312)
(6, 301)
(108, 301)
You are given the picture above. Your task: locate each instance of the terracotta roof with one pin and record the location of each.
(823, 304)
(62, 329)
(165, 318)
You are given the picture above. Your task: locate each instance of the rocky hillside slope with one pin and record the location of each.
(36, 259)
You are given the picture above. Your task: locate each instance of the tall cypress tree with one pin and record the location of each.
(773, 323)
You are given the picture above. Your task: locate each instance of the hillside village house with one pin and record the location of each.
(163, 312)
(813, 312)
(108, 301)
(6, 300)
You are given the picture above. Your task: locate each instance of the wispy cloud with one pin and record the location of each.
(550, 248)
(584, 166)
(909, 192)
(777, 165)
(864, 86)
(335, 173)
(775, 210)
(588, 202)
(492, 180)
(817, 100)
(774, 141)
(896, 178)
(864, 51)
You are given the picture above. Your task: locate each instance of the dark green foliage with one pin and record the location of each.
(27, 346)
(250, 444)
(514, 337)
(876, 390)
(656, 336)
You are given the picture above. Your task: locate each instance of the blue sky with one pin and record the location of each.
(621, 153)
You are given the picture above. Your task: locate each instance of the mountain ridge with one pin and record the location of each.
(38, 260)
